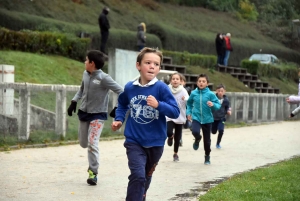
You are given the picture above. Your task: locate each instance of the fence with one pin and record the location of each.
(49, 105)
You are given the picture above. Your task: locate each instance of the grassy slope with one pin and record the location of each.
(127, 14)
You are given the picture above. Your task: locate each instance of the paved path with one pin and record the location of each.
(59, 173)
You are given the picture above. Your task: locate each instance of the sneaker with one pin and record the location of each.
(218, 146)
(92, 180)
(196, 143)
(175, 158)
(170, 141)
(180, 143)
(207, 160)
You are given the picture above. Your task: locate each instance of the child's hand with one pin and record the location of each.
(287, 100)
(189, 117)
(229, 112)
(116, 125)
(210, 104)
(183, 98)
(151, 101)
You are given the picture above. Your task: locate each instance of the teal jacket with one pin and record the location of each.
(198, 108)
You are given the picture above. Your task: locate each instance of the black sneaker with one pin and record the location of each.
(175, 158)
(207, 160)
(92, 180)
(196, 143)
(170, 141)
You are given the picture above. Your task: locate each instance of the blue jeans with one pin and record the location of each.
(220, 59)
(226, 57)
(218, 125)
(141, 162)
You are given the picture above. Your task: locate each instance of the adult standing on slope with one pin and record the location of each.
(104, 28)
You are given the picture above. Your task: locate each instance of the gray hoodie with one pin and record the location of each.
(94, 91)
(141, 40)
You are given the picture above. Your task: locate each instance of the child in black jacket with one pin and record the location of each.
(220, 115)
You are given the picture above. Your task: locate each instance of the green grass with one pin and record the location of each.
(273, 183)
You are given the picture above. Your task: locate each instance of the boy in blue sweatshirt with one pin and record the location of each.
(149, 101)
(220, 115)
(92, 113)
(200, 105)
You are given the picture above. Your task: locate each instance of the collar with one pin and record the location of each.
(152, 82)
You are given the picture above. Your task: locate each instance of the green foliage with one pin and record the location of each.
(247, 10)
(221, 5)
(251, 66)
(44, 42)
(185, 58)
(286, 71)
(276, 182)
(283, 71)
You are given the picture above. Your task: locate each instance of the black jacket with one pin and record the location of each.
(221, 113)
(103, 22)
(220, 46)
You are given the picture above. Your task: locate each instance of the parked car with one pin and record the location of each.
(264, 58)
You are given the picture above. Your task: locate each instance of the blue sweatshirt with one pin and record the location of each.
(146, 125)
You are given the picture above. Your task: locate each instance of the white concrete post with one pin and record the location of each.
(61, 118)
(273, 107)
(24, 114)
(265, 105)
(7, 74)
(255, 107)
(245, 106)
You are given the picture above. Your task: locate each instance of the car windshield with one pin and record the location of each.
(260, 57)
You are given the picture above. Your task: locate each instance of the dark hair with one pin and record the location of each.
(97, 57)
(221, 86)
(149, 50)
(203, 75)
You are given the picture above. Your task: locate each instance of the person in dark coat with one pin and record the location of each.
(141, 36)
(220, 48)
(104, 28)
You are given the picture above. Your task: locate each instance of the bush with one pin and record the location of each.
(283, 71)
(185, 58)
(44, 42)
(251, 66)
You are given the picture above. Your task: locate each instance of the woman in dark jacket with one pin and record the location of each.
(220, 48)
(141, 36)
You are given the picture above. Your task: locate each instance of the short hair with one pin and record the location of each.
(203, 75)
(228, 35)
(221, 86)
(146, 50)
(97, 57)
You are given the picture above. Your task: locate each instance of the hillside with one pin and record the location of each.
(48, 69)
(196, 26)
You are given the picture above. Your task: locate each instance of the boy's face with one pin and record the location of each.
(220, 92)
(149, 67)
(202, 83)
(175, 81)
(89, 66)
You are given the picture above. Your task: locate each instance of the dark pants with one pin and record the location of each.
(141, 162)
(104, 37)
(196, 126)
(220, 59)
(218, 125)
(140, 47)
(177, 134)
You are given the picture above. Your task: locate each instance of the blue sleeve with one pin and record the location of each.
(167, 105)
(214, 99)
(123, 105)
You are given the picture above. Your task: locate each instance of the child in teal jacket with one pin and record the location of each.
(200, 105)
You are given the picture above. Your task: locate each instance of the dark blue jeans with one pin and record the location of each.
(206, 128)
(218, 125)
(141, 162)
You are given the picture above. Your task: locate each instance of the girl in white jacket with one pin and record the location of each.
(181, 96)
